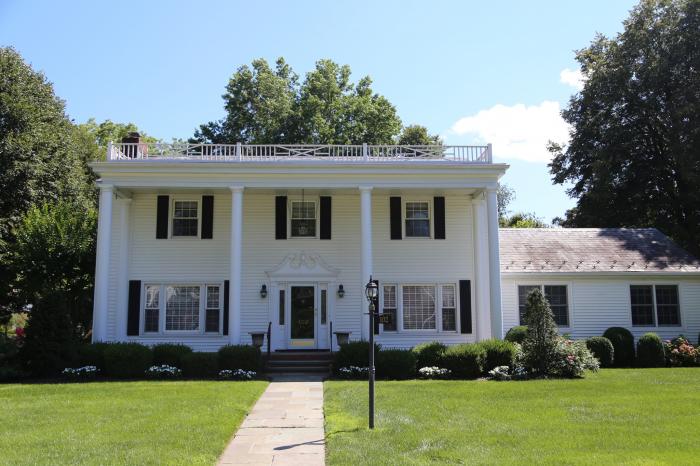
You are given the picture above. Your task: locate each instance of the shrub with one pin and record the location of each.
(200, 365)
(429, 354)
(498, 353)
(650, 351)
(126, 360)
(623, 344)
(464, 361)
(571, 358)
(91, 354)
(170, 354)
(541, 339)
(517, 334)
(354, 353)
(246, 357)
(395, 364)
(680, 353)
(602, 349)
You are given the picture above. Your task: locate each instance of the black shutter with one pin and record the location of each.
(281, 217)
(162, 217)
(395, 213)
(439, 214)
(134, 312)
(207, 217)
(465, 306)
(376, 309)
(226, 308)
(325, 217)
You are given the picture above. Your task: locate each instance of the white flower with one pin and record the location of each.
(434, 372)
(237, 374)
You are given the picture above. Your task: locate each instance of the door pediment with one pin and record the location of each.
(302, 266)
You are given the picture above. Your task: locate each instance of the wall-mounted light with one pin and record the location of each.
(263, 291)
(341, 291)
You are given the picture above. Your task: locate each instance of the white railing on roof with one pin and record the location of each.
(291, 152)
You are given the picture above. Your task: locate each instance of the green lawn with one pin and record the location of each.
(626, 416)
(121, 422)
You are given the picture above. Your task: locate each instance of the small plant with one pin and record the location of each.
(680, 353)
(429, 354)
(237, 374)
(650, 351)
(602, 349)
(623, 342)
(434, 372)
(517, 334)
(500, 373)
(353, 372)
(80, 373)
(163, 372)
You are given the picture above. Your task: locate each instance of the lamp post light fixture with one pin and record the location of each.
(371, 292)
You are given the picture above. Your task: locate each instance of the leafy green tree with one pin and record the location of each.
(633, 157)
(417, 135)
(541, 338)
(505, 196)
(270, 106)
(522, 220)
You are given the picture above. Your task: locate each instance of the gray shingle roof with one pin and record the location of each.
(572, 250)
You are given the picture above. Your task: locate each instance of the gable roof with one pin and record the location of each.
(574, 250)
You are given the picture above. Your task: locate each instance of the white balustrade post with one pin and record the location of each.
(104, 241)
(494, 263)
(481, 269)
(123, 285)
(109, 151)
(366, 254)
(239, 152)
(489, 153)
(365, 151)
(236, 267)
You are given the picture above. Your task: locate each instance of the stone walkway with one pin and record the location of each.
(285, 427)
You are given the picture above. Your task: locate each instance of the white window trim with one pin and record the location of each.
(171, 218)
(541, 285)
(438, 309)
(404, 218)
(456, 308)
(290, 202)
(654, 308)
(162, 303)
(381, 307)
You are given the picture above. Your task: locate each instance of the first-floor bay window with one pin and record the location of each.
(420, 307)
(190, 308)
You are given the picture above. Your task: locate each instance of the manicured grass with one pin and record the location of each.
(121, 422)
(617, 416)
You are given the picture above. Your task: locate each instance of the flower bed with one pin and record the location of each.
(80, 373)
(434, 372)
(237, 374)
(163, 372)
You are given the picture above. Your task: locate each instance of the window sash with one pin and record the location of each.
(389, 306)
(557, 297)
(449, 308)
(185, 218)
(642, 303)
(182, 308)
(303, 219)
(151, 313)
(667, 305)
(419, 307)
(417, 219)
(212, 313)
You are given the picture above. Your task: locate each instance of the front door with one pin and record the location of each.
(302, 319)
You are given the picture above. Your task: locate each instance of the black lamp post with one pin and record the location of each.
(371, 291)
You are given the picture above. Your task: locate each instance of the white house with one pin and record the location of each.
(206, 244)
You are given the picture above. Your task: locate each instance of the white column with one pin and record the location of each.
(495, 264)
(366, 241)
(481, 269)
(123, 287)
(234, 329)
(104, 240)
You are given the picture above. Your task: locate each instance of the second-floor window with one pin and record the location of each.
(185, 218)
(417, 219)
(303, 219)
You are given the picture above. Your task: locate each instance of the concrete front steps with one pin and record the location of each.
(299, 362)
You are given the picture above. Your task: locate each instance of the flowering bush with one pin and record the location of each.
(434, 372)
(163, 372)
(679, 352)
(571, 358)
(80, 373)
(500, 373)
(237, 374)
(353, 372)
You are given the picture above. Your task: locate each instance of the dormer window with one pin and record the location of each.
(303, 219)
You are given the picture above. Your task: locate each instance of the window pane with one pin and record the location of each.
(556, 296)
(151, 309)
(390, 306)
(185, 209)
(667, 308)
(324, 306)
(152, 296)
(213, 297)
(419, 307)
(281, 316)
(211, 323)
(150, 322)
(182, 308)
(523, 291)
(417, 210)
(449, 321)
(303, 210)
(185, 218)
(304, 228)
(418, 228)
(642, 305)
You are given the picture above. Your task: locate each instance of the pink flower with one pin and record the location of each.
(19, 331)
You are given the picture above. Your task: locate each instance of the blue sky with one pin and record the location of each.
(470, 71)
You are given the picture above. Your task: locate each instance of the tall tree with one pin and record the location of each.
(270, 106)
(418, 135)
(634, 153)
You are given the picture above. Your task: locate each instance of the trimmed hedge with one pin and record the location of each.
(517, 334)
(623, 344)
(246, 357)
(395, 364)
(602, 349)
(200, 365)
(91, 354)
(650, 351)
(354, 353)
(170, 354)
(429, 354)
(126, 360)
(497, 353)
(465, 361)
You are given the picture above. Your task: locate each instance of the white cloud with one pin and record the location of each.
(517, 131)
(573, 78)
